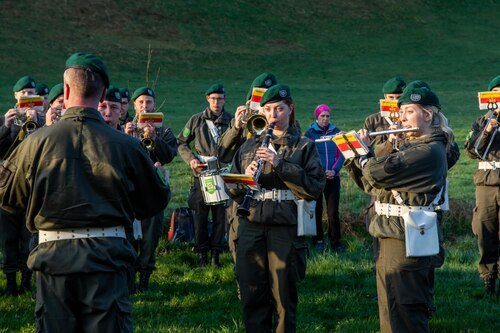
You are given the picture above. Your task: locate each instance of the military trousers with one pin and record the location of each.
(332, 199)
(270, 260)
(15, 240)
(485, 225)
(152, 230)
(83, 302)
(205, 241)
(403, 288)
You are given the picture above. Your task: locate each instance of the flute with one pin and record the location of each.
(394, 131)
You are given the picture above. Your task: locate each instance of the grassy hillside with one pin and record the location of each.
(334, 52)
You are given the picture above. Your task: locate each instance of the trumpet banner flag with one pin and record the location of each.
(389, 108)
(153, 118)
(350, 145)
(488, 99)
(257, 94)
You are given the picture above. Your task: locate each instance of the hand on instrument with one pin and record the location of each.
(492, 126)
(9, 117)
(149, 131)
(195, 165)
(51, 116)
(251, 168)
(364, 136)
(395, 136)
(267, 155)
(238, 116)
(129, 128)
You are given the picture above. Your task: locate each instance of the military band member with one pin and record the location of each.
(15, 237)
(271, 258)
(486, 214)
(125, 116)
(110, 108)
(162, 151)
(204, 129)
(87, 182)
(229, 143)
(417, 171)
(56, 104)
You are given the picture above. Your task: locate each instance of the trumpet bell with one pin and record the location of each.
(257, 124)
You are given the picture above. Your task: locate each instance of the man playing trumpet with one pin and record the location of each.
(484, 143)
(162, 151)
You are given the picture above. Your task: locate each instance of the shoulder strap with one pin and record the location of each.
(400, 200)
(213, 130)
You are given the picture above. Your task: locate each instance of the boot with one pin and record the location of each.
(25, 282)
(202, 258)
(489, 285)
(216, 258)
(11, 289)
(143, 282)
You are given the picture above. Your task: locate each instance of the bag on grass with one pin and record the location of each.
(181, 226)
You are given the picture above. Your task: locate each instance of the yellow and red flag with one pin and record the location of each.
(31, 102)
(389, 108)
(487, 99)
(350, 145)
(153, 118)
(257, 94)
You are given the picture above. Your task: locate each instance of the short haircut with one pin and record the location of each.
(84, 83)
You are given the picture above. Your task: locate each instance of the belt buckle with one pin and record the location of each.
(276, 195)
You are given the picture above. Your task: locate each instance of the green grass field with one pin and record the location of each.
(333, 52)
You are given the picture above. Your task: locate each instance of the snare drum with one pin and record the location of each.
(212, 187)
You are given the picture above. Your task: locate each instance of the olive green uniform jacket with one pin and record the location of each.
(299, 170)
(417, 171)
(484, 177)
(198, 130)
(81, 173)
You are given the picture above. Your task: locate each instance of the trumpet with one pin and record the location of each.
(254, 122)
(493, 115)
(327, 138)
(26, 122)
(143, 136)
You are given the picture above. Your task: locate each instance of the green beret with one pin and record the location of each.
(264, 80)
(42, 89)
(494, 83)
(125, 93)
(24, 83)
(394, 86)
(113, 95)
(421, 96)
(276, 93)
(216, 88)
(55, 92)
(417, 84)
(90, 62)
(142, 91)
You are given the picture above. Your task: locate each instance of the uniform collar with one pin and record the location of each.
(83, 112)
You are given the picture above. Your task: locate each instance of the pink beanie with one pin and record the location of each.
(321, 108)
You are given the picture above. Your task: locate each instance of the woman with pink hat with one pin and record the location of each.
(332, 160)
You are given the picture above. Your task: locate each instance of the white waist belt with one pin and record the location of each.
(398, 210)
(55, 235)
(492, 165)
(274, 195)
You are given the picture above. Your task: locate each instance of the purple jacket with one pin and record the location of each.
(331, 157)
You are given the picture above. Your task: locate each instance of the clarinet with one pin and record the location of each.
(244, 208)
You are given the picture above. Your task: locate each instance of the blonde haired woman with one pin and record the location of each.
(417, 172)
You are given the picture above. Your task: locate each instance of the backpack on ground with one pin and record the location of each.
(181, 226)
